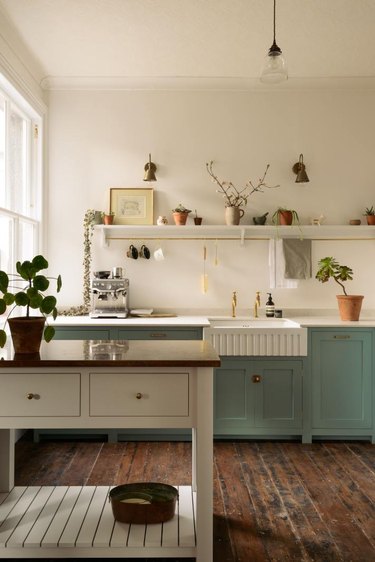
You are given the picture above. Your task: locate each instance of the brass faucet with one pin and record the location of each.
(234, 304)
(256, 304)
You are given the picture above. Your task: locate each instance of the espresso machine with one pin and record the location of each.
(109, 294)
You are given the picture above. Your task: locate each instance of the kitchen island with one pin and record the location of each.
(90, 384)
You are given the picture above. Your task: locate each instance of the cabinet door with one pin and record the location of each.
(233, 404)
(341, 379)
(278, 401)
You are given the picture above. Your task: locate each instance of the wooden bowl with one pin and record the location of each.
(143, 502)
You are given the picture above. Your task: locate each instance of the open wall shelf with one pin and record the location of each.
(240, 232)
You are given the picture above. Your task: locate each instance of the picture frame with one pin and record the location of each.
(132, 205)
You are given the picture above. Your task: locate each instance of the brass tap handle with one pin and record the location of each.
(234, 303)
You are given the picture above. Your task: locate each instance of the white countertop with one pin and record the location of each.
(177, 321)
(331, 321)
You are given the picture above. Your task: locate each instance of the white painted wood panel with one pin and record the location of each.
(54, 394)
(40, 522)
(159, 394)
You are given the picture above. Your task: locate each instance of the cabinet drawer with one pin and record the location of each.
(161, 333)
(139, 394)
(40, 394)
(82, 334)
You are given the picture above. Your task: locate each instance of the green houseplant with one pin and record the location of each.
(349, 305)
(27, 288)
(370, 215)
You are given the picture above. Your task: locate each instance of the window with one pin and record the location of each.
(20, 179)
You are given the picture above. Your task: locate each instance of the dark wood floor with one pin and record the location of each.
(273, 501)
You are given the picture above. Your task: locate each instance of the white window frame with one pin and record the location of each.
(33, 181)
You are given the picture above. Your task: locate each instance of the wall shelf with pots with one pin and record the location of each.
(236, 232)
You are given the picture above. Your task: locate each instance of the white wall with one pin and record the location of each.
(101, 139)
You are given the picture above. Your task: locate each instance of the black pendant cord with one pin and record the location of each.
(274, 21)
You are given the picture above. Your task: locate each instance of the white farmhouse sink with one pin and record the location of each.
(257, 337)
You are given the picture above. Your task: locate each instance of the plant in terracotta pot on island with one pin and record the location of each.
(349, 305)
(26, 288)
(370, 215)
(235, 198)
(180, 214)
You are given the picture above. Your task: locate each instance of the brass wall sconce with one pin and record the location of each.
(150, 169)
(299, 168)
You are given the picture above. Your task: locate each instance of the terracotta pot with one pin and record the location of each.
(285, 217)
(27, 333)
(180, 218)
(349, 306)
(370, 219)
(233, 215)
(108, 219)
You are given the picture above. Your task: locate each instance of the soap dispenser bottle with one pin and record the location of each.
(270, 307)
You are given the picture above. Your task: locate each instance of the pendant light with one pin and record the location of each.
(275, 69)
(150, 169)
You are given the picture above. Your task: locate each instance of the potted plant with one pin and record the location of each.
(370, 215)
(26, 288)
(197, 220)
(109, 217)
(180, 214)
(283, 216)
(349, 305)
(236, 198)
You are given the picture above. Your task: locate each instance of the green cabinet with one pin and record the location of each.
(128, 333)
(258, 397)
(341, 382)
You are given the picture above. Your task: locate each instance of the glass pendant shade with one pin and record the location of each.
(275, 68)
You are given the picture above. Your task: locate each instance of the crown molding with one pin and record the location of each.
(202, 83)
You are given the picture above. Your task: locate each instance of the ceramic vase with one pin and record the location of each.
(233, 215)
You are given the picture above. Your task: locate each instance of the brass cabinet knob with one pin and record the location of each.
(139, 395)
(256, 378)
(32, 395)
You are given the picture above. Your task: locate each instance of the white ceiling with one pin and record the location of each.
(190, 38)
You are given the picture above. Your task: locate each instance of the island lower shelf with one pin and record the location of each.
(55, 521)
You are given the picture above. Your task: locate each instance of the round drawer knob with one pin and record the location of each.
(31, 396)
(139, 395)
(256, 378)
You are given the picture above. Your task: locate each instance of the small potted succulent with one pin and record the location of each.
(109, 217)
(370, 215)
(197, 220)
(180, 214)
(349, 305)
(26, 288)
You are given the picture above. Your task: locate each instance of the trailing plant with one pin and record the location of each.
(26, 288)
(275, 217)
(238, 197)
(329, 268)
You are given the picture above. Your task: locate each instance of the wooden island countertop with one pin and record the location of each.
(115, 353)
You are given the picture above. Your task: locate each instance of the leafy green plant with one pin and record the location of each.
(181, 209)
(369, 211)
(329, 268)
(27, 288)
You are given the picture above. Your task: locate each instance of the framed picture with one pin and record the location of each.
(132, 205)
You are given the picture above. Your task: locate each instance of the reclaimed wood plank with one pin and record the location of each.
(349, 538)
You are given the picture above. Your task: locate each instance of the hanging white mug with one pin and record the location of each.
(159, 254)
